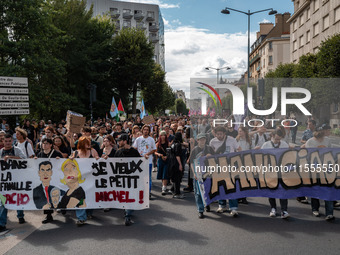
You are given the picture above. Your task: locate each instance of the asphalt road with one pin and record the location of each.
(171, 226)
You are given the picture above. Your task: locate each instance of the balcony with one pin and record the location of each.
(141, 25)
(256, 57)
(126, 25)
(150, 16)
(139, 15)
(154, 38)
(127, 14)
(115, 14)
(153, 27)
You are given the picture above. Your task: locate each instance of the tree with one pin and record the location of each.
(181, 107)
(131, 63)
(158, 95)
(328, 57)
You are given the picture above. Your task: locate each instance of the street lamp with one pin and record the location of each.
(218, 70)
(271, 12)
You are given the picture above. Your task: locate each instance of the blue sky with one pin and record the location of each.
(198, 35)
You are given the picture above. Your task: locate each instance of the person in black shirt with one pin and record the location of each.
(108, 151)
(231, 131)
(47, 151)
(126, 151)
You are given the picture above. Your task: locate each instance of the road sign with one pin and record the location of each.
(17, 102)
(15, 112)
(13, 98)
(14, 105)
(13, 82)
(13, 91)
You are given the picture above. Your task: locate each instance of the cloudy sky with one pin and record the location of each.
(198, 35)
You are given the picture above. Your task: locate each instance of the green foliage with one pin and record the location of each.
(181, 107)
(324, 64)
(62, 49)
(328, 58)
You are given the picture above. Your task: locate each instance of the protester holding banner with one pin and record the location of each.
(319, 140)
(225, 144)
(84, 150)
(126, 151)
(10, 152)
(146, 147)
(277, 142)
(199, 151)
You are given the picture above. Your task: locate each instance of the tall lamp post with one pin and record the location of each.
(271, 12)
(218, 70)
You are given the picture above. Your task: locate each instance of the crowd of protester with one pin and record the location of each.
(172, 146)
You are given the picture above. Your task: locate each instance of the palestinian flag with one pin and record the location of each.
(120, 107)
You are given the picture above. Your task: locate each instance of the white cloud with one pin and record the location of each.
(158, 2)
(189, 50)
(265, 21)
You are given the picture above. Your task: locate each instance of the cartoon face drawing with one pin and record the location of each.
(55, 197)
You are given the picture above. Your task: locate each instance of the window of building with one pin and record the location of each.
(337, 14)
(316, 29)
(264, 63)
(301, 19)
(294, 25)
(308, 36)
(150, 14)
(270, 60)
(295, 45)
(325, 22)
(335, 107)
(308, 13)
(301, 41)
(126, 11)
(316, 5)
(270, 46)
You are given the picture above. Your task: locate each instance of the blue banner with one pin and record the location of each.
(276, 173)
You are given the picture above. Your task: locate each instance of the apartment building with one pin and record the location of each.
(271, 47)
(312, 22)
(146, 17)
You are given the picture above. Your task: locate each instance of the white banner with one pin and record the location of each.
(13, 81)
(35, 184)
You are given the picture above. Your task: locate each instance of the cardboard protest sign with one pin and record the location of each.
(149, 120)
(276, 173)
(35, 184)
(74, 122)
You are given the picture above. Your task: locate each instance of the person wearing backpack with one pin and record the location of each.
(23, 143)
(260, 137)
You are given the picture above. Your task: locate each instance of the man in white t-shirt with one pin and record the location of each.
(146, 147)
(222, 144)
(277, 142)
(22, 142)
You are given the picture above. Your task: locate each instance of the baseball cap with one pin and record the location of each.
(123, 137)
(201, 135)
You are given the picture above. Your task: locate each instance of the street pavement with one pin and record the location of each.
(171, 226)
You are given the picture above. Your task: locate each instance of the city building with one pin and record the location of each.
(312, 22)
(181, 94)
(271, 48)
(146, 17)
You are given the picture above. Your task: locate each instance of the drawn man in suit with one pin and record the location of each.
(42, 194)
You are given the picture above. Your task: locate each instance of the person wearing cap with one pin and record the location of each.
(320, 140)
(199, 151)
(126, 151)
